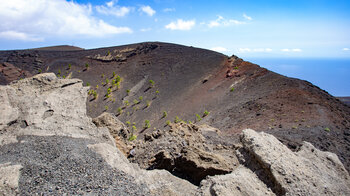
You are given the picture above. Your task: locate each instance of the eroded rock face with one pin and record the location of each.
(306, 172)
(185, 151)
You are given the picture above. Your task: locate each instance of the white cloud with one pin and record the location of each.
(291, 50)
(247, 17)
(148, 10)
(181, 25)
(37, 19)
(145, 29)
(14, 35)
(169, 10)
(219, 49)
(111, 3)
(221, 21)
(243, 50)
(346, 49)
(111, 9)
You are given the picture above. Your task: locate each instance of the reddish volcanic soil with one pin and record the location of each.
(188, 81)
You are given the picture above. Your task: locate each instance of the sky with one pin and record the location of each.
(249, 28)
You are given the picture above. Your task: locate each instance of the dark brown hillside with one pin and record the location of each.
(188, 81)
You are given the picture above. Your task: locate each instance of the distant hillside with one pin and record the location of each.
(59, 48)
(345, 100)
(152, 83)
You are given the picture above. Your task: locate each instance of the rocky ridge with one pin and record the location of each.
(48, 145)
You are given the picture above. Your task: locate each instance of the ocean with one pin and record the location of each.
(331, 75)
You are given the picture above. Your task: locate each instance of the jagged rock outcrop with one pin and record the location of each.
(49, 146)
(185, 151)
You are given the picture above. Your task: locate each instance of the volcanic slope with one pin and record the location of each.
(148, 84)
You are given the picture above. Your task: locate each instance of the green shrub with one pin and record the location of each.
(147, 124)
(87, 84)
(134, 127)
(59, 72)
(128, 91)
(118, 79)
(189, 122)
(151, 82)
(132, 137)
(102, 75)
(107, 81)
(177, 119)
(86, 65)
(206, 113)
(135, 101)
(148, 104)
(165, 114)
(198, 117)
(128, 123)
(106, 108)
(327, 129)
(69, 66)
(167, 122)
(126, 103)
(140, 98)
(120, 110)
(39, 70)
(232, 89)
(113, 74)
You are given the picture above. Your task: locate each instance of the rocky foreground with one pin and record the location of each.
(48, 145)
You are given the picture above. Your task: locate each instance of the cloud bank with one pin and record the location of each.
(34, 20)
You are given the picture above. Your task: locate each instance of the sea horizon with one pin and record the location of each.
(329, 74)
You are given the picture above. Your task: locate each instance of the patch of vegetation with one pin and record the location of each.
(87, 84)
(134, 127)
(232, 89)
(128, 91)
(152, 83)
(206, 113)
(235, 67)
(177, 119)
(128, 123)
(327, 129)
(126, 103)
(189, 122)
(132, 136)
(167, 122)
(86, 66)
(148, 104)
(107, 81)
(69, 66)
(165, 114)
(113, 74)
(136, 102)
(106, 108)
(120, 110)
(198, 117)
(102, 75)
(140, 98)
(147, 124)
(39, 70)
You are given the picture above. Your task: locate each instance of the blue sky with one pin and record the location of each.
(270, 28)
